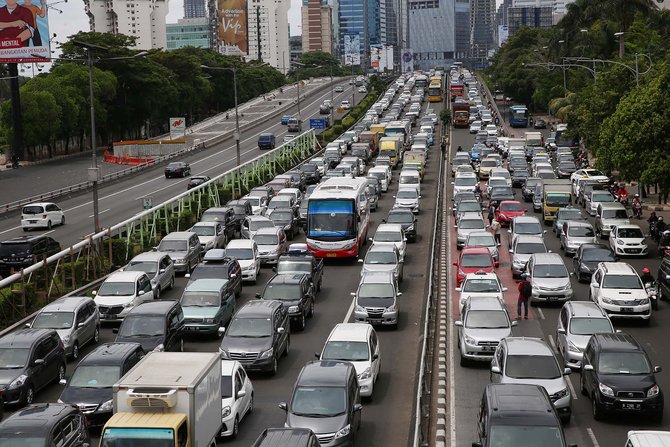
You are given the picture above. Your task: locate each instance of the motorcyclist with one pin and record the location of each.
(637, 206)
(665, 239)
(459, 149)
(653, 218)
(647, 277)
(660, 226)
(623, 192)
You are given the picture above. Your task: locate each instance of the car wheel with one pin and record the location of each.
(582, 387)
(25, 229)
(565, 419)
(157, 293)
(62, 220)
(49, 225)
(75, 351)
(181, 345)
(658, 417)
(172, 282)
(61, 372)
(96, 335)
(302, 323)
(661, 297)
(251, 404)
(273, 371)
(30, 395)
(311, 309)
(596, 409)
(236, 428)
(288, 347)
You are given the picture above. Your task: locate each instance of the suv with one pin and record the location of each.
(377, 299)
(30, 360)
(120, 292)
(245, 252)
(271, 244)
(288, 437)
(226, 216)
(208, 304)
(512, 414)
(663, 279)
(241, 209)
(618, 289)
(295, 292)
(574, 234)
(267, 140)
(218, 264)
(60, 425)
(406, 219)
(577, 321)
(618, 378)
(610, 215)
(158, 266)
(24, 251)
(522, 249)
(184, 248)
(549, 277)
(157, 326)
(532, 362)
(257, 336)
(643, 438)
(326, 398)
(90, 386)
(480, 285)
(528, 225)
(74, 318)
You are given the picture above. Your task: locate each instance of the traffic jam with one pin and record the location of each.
(557, 293)
(148, 386)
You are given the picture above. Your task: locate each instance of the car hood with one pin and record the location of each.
(615, 222)
(551, 385)
(591, 265)
(519, 258)
(624, 294)
(628, 382)
(552, 283)
(572, 240)
(317, 425)
(245, 262)
(488, 334)
(200, 312)
(109, 300)
(580, 340)
(246, 344)
(632, 240)
(7, 376)
(81, 395)
(148, 343)
(379, 268)
(205, 240)
(175, 255)
(267, 248)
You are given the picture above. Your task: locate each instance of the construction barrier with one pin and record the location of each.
(147, 148)
(128, 160)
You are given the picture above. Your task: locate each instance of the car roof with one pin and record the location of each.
(39, 204)
(629, 226)
(110, 353)
(25, 238)
(382, 247)
(267, 230)
(618, 268)
(617, 342)
(149, 256)
(255, 217)
(585, 309)
(528, 239)
(579, 223)
(293, 278)
(206, 285)
(526, 219)
(649, 438)
(520, 404)
(258, 308)
(240, 243)
(377, 278)
(209, 223)
(124, 276)
(158, 307)
(179, 234)
(484, 303)
(350, 332)
(66, 304)
(389, 227)
(470, 215)
(325, 373)
(36, 418)
(24, 338)
(474, 250)
(547, 258)
(527, 346)
(482, 275)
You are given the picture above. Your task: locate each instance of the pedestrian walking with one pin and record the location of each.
(496, 228)
(492, 212)
(525, 292)
(443, 147)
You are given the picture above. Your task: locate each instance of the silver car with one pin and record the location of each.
(407, 197)
(158, 266)
(383, 258)
(484, 323)
(377, 299)
(577, 321)
(483, 239)
(391, 234)
(271, 244)
(549, 278)
(574, 234)
(468, 223)
(74, 318)
(251, 224)
(522, 249)
(531, 361)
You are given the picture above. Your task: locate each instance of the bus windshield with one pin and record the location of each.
(330, 218)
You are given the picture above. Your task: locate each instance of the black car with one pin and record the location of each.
(663, 279)
(177, 169)
(156, 325)
(324, 109)
(540, 123)
(587, 258)
(30, 359)
(528, 188)
(298, 179)
(286, 219)
(294, 262)
(90, 387)
(295, 292)
(565, 169)
(311, 173)
(519, 177)
(242, 208)
(226, 216)
(61, 425)
(517, 163)
(618, 377)
(406, 219)
(216, 264)
(24, 251)
(257, 336)
(197, 180)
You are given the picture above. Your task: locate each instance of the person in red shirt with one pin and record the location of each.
(16, 23)
(525, 292)
(36, 11)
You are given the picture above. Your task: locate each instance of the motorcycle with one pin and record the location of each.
(622, 198)
(663, 251)
(637, 210)
(652, 293)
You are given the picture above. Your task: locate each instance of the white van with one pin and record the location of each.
(410, 177)
(41, 215)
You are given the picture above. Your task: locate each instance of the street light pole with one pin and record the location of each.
(93, 171)
(332, 96)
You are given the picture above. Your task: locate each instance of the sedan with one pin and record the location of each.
(508, 210)
(472, 260)
(177, 169)
(383, 258)
(475, 127)
(339, 89)
(540, 124)
(574, 234)
(211, 235)
(501, 193)
(407, 198)
(197, 180)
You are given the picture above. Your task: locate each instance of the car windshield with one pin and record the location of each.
(148, 267)
(400, 218)
(528, 248)
(203, 230)
(622, 282)
(598, 254)
(602, 197)
(13, 357)
(407, 194)
(142, 326)
(266, 239)
(200, 299)
(635, 233)
(249, 328)
(53, 320)
(468, 206)
(532, 367)
(213, 216)
(19, 439)
(33, 209)
(282, 292)
(475, 260)
(95, 376)
(590, 326)
(168, 245)
(470, 224)
(566, 165)
(581, 231)
(525, 436)
(623, 363)
(465, 181)
(514, 207)
(240, 253)
(352, 351)
(279, 202)
(486, 319)
(558, 199)
(294, 266)
(483, 241)
(489, 164)
(117, 289)
(376, 290)
(282, 216)
(569, 215)
(481, 286)
(380, 257)
(550, 271)
(501, 191)
(530, 183)
(527, 228)
(322, 401)
(256, 225)
(254, 201)
(388, 236)
(615, 214)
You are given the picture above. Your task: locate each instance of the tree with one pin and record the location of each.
(623, 11)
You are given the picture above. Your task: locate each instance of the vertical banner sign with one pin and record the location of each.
(24, 31)
(407, 60)
(376, 58)
(352, 49)
(503, 34)
(233, 27)
(177, 128)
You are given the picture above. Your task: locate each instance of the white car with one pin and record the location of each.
(492, 130)
(481, 285)
(120, 293)
(246, 253)
(356, 343)
(476, 126)
(237, 397)
(618, 290)
(628, 240)
(41, 215)
(211, 234)
(362, 89)
(591, 174)
(345, 105)
(339, 89)
(391, 234)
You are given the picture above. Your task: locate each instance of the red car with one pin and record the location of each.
(473, 260)
(508, 210)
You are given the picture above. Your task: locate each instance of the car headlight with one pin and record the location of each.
(344, 431)
(584, 268)
(607, 391)
(18, 382)
(159, 348)
(561, 394)
(179, 261)
(225, 412)
(366, 375)
(128, 304)
(209, 320)
(360, 308)
(105, 406)
(66, 339)
(392, 308)
(224, 354)
(293, 309)
(619, 242)
(607, 300)
(653, 391)
(267, 354)
(572, 347)
(644, 301)
(469, 340)
(410, 228)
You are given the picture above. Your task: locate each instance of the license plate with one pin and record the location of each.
(375, 320)
(32, 221)
(627, 309)
(331, 255)
(626, 406)
(488, 348)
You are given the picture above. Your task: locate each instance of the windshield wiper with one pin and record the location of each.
(142, 335)
(315, 415)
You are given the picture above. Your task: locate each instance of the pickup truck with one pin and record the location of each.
(298, 260)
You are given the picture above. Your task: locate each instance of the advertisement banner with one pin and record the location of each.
(233, 27)
(352, 49)
(24, 31)
(375, 57)
(407, 57)
(503, 34)
(177, 128)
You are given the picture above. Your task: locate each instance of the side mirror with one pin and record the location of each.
(370, 239)
(567, 371)
(241, 393)
(187, 275)
(80, 325)
(457, 289)
(657, 369)
(38, 362)
(274, 269)
(28, 325)
(587, 367)
(514, 323)
(221, 330)
(280, 330)
(283, 406)
(399, 293)
(317, 355)
(496, 264)
(352, 293)
(62, 382)
(596, 285)
(455, 263)
(476, 444)
(495, 370)
(360, 261)
(154, 248)
(140, 293)
(375, 356)
(561, 331)
(161, 271)
(358, 407)
(504, 289)
(458, 323)
(94, 293)
(258, 296)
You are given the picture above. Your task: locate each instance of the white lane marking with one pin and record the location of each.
(450, 316)
(594, 441)
(572, 389)
(351, 310)
(553, 345)
(100, 212)
(539, 311)
(48, 232)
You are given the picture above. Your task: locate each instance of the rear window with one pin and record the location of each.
(33, 209)
(7, 249)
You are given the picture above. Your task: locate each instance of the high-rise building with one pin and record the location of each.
(374, 34)
(532, 17)
(194, 9)
(295, 46)
(143, 19)
(462, 29)
(317, 26)
(431, 32)
(268, 32)
(188, 33)
(353, 39)
(482, 23)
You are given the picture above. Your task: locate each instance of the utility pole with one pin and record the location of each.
(17, 117)
(258, 32)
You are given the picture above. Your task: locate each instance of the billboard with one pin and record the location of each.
(177, 128)
(233, 27)
(407, 58)
(381, 57)
(24, 34)
(503, 34)
(352, 49)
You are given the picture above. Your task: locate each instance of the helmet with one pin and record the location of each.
(645, 271)
(660, 218)
(637, 195)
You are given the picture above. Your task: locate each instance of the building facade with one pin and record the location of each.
(268, 32)
(142, 19)
(194, 9)
(317, 26)
(482, 28)
(532, 17)
(295, 45)
(431, 32)
(462, 29)
(353, 40)
(373, 31)
(188, 33)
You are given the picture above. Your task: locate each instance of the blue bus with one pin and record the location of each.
(518, 116)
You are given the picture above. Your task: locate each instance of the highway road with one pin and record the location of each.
(123, 199)
(387, 420)
(468, 382)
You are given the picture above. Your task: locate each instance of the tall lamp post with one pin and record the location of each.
(237, 135)
(297, 78)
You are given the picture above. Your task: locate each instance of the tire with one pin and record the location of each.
(582, 388)
(181, 345)
(273, 370)
(311, 310)
(658, 417)
(596, 409)
(96, 335)
(157, 293)
(464, 361)
(236, 428)
(288, 348)
(654, 304)
(49, 225)
(75, 351)
(30, 395)
(565, 420)
(62, 220)
(251, 404)
(302, 323)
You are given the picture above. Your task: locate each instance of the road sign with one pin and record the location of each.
(147, 202)
(318, 123)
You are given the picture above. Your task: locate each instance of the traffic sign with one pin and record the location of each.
(318, 123)
(147, 202)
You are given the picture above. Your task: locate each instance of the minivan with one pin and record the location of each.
(326, 399)
(610, 215)
(207, 304)
(157, 326)
(287, 437)
(549, 277)
(24, 251)
(41, 215)
(266, 140)
(184, 248)
(294, 125)
(120, 292)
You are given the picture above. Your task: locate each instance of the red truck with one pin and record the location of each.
(461, 114)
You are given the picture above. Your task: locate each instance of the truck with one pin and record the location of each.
(372, 139)
(534, 139)
(461, 114)
(417, 158)
(556, 193)
(391, 147)
(168, 399)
